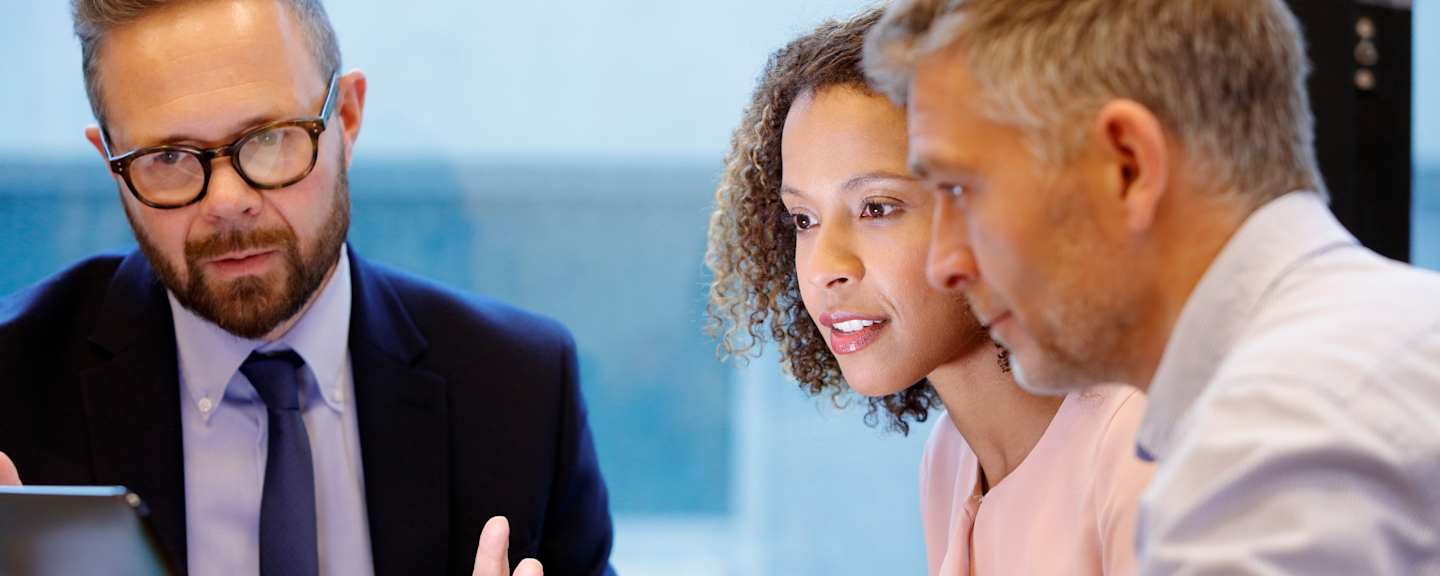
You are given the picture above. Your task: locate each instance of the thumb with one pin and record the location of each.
(9, 476)
(529, 567)
(492, 555)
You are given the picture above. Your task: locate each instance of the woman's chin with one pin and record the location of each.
(876, 387)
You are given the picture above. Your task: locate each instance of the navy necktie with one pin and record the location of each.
(287, 505)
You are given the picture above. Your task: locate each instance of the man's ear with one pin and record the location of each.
(350, 108)
(1134, 147)
(92, 133)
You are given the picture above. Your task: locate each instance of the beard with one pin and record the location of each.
(1079, 349)
(253, 306)
(1080, 335)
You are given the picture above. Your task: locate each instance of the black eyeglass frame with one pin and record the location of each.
(314, 126)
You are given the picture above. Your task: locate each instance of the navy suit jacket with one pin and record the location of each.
(467, 409)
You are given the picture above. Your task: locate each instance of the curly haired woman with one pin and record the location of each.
(818, 241)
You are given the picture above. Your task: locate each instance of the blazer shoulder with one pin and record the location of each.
(45, 328)
(74, 293)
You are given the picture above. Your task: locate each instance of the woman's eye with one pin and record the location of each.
(877, 210)
(802, 221)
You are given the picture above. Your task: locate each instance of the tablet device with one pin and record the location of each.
(76, 530)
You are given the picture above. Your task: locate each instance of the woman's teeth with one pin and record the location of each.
(851, 326)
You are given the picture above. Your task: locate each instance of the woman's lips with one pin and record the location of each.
(851, 332)
(851, 342)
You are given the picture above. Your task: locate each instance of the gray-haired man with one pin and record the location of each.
(1129, 193)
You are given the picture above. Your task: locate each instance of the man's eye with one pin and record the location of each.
(170, 157)
(270, 138)
(955, 190)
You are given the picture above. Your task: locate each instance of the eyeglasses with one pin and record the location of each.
(267, 157)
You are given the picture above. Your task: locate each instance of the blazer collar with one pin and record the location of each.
(404, 430)
(132, 400)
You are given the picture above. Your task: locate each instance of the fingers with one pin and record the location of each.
(529, 567)
(9, 476)
(492, 555)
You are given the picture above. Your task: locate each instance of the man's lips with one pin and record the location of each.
(242, 262)
(240, 255)
(996, 319)
(997, 325)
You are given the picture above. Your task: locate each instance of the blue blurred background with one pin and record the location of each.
(562, 155)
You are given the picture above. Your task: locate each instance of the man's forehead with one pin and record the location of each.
(948, 125)
(214, 31)
(194, 76)
(196, 68)
(937, 136)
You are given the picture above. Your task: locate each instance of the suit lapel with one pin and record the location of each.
(132, 400)
(403, 431)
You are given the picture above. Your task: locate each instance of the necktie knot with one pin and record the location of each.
(275, 376)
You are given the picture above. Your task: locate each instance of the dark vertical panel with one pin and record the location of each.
(1363, 128)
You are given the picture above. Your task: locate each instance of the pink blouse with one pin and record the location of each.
(1068, 508)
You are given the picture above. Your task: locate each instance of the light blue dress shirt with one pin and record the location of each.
(225, 428)
(1296, 411)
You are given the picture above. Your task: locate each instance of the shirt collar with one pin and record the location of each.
(209, 356)
(1271, 242)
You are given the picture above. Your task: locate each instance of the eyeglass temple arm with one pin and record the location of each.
(330, 96)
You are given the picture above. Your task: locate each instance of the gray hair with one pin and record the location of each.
(1226, 78)
(93, 19)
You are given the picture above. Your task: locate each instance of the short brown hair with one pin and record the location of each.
(94, 18)
(1225, 77)
(752, 247)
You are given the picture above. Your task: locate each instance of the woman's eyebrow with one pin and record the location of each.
(877, 177)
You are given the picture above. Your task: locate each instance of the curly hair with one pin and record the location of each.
(752, 245)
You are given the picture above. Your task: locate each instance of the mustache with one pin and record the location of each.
(236, 241)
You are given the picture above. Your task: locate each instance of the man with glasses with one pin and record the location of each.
(282, 405)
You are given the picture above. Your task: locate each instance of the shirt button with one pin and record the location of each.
(206, 405)
(339, 395)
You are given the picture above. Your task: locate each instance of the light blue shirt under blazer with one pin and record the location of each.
(225, 429)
